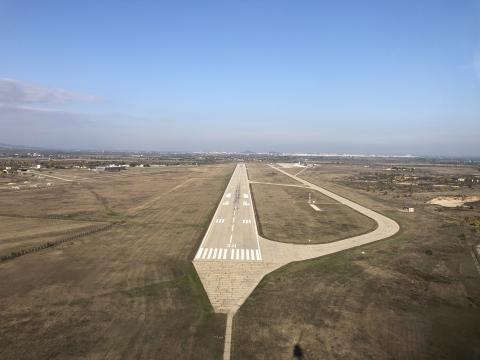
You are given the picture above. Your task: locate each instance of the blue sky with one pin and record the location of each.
(299, 76)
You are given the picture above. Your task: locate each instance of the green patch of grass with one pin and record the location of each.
(206, 310)
(153, 289)
(80, 302)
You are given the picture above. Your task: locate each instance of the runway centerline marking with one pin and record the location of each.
(235, 203)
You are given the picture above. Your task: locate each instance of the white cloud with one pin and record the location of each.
(15, 92)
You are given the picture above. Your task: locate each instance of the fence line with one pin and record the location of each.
(48, 244)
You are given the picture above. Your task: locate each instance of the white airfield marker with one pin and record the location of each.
(199, 253)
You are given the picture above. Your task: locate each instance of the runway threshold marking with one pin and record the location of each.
(222, 254)
(199, 253)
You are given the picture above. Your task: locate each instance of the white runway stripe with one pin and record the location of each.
(222, 253)
(199, 253)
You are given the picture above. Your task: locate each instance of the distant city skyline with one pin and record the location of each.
(369, 77)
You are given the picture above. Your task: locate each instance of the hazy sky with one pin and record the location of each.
(391, 77)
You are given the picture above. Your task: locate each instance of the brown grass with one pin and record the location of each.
(414, 296)
(18, 233)
(285, 215)
(129, 292)
(264, 173)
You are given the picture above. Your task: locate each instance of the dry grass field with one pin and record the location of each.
(413, 296)
(264, 173)
(128, 292)
(24, 232)
(285, 215)
(131, 291)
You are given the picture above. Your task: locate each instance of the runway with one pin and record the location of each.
(230, 262)
(232, 234)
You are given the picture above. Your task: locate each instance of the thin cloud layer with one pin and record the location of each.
(17, 93)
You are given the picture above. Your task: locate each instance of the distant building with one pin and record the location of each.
(112, 168)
